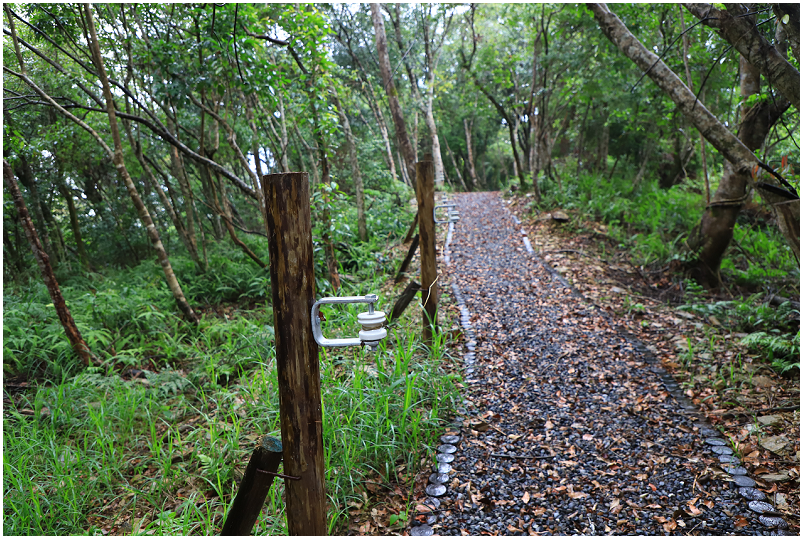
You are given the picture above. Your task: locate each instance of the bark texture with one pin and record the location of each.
(43, 260)
(291, 267)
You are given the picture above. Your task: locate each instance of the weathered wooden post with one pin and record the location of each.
(427, 244)
(291, 267)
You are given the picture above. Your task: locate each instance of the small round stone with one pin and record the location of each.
(445, 457)
(728, 459)
(779, 532)
(760, 507)
(433, 502)
(446, 448)
(435, 489)
(722, 450)
(444, 468)
(773, 522)
(743, 481)
(716, 441)
(439, 478)
(421, 531)
(450, 439)
(751, 493)
(431, 519)
(735, 470)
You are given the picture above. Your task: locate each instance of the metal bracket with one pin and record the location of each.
(449, 216)
(371, 321)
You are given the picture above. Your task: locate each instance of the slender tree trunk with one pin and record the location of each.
(352, 154)
(643, 166)
(25, 175)
(690, 84)
(179, 173)
(73, 221)
(470, 157)
(602, 148)
(284, 135)
(259, 173)
(227, 216)
(119, 163)
(455, 166)
(436, 149)
(312, 157)
(43, 260)
(407, 150)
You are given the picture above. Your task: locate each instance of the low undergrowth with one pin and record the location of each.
(155, 440)
(646, 227)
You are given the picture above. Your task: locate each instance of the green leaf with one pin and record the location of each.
(785, 19)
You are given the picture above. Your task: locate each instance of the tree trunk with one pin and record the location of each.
(710, 239)
(25, 174)
(455, 166)
(119, 163)
(740, 30)
(407, 150)
(330, 252)
(179, 173)
(476, 185)
(43, 260)
(783, 200)
(436, 149)
(73, 221)
(352, 154)
(643, 166)
(227, 216)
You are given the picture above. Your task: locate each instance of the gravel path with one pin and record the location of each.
(566, 429)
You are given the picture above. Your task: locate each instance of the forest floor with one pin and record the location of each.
(601, 408)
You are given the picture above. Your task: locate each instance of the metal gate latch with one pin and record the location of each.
(371, 323)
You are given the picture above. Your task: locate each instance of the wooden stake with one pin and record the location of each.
(291, 267)
(407, 261)
(412, 228)
(254, 487)
(427, 243)
(404, 300)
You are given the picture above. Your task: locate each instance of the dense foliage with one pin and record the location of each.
(211, 97)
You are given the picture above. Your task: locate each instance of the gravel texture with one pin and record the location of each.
(568, 426)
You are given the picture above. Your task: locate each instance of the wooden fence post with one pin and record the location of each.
(427, 244)
(291, 267)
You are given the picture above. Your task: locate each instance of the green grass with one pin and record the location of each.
(173, 443)
(156, 438)
(651, 224)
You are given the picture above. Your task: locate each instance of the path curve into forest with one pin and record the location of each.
(567, 428)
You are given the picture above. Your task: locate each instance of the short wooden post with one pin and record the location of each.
(403, 300)
(291, 267)
(254, 487)
(427, 244)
